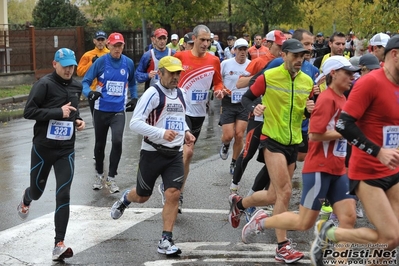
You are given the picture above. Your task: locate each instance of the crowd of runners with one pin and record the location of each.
(288, 96)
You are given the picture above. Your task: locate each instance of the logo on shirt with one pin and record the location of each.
(123, 72)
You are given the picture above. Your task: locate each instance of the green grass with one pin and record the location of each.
(14, 90)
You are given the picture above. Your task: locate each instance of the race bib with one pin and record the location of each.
(390, 137)
(59, 130)
(198, 96)
(115, 88)
(236, 96)
(340, 146)
(175, 123)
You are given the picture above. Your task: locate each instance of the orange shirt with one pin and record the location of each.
(259, 63)
(257, 52)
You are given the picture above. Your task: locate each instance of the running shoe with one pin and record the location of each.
(167, 246)
(359, 210)
(232, 166)
(334, 218)
(253, 227)
(119, 207)
(235, 213)
(224, 152)
(161, 190)
(249, 212)
(233, 188)
(23, 210)
(111, 185)
(288, 254)
(99, 181)
(61, 252)
(179, 210)
(320, 242)
(269, 207)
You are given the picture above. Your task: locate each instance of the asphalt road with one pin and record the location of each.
(202, 231)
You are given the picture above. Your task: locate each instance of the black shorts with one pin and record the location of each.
(289, 151)
(303, 147)
(195, 125)
(383, 183)
(152, 165)
(233, 112)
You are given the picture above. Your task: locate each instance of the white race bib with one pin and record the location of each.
(390, 137)
(236, 96)
(175, 123)
(115, 88)
(340, 146)
(59, 130)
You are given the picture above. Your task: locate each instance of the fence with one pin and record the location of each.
(31, 49)
(25, 48)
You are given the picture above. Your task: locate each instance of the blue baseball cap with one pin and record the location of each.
(66, 57)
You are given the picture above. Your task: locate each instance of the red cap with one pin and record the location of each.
(160, 32)
(276, 36)
(115, 38)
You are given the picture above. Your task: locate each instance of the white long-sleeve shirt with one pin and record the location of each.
(155, 113)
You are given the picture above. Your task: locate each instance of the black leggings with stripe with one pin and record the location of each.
(63, 161)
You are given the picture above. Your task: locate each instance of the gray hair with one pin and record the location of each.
(200, 28)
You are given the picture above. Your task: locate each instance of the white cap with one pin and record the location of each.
(240, 43)
(336, 62)
(380, 39)
(212, 35)
(174, 37)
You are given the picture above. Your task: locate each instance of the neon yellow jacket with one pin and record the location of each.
(285, 101)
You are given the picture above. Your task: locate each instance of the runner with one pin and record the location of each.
(160, 118)
(281, 134)
(233, 117)
(201, 71)
(324, 172)
(370, 121)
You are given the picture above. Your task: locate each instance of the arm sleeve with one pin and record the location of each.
(132, 80)
(36, 99)
(347, 127)
(84, 64)
(217, 77)
(141, 73)
(147, 102)
(92, 73)
(257, 89)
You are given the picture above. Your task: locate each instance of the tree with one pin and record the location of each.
(20, 11)
(266, 13)
(57, 13)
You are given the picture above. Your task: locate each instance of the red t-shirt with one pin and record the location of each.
(374, 102)
(326, 156)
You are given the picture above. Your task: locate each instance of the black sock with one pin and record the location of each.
(233, 161)
(281, 244)
(239, 205)
(166, 234)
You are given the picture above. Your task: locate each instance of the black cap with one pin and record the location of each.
(293, 46)
(188, 37)
(370, 61)
(393, 43)
(230, 37)
(100, 35)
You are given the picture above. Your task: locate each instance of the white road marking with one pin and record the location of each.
(31, 243)
(264, 253)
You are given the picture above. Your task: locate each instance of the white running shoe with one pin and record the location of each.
(99, 181)
(167, 247)
(111, 185)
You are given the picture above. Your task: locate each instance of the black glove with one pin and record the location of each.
(94, 59)
(94, 95)
(131, 105)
